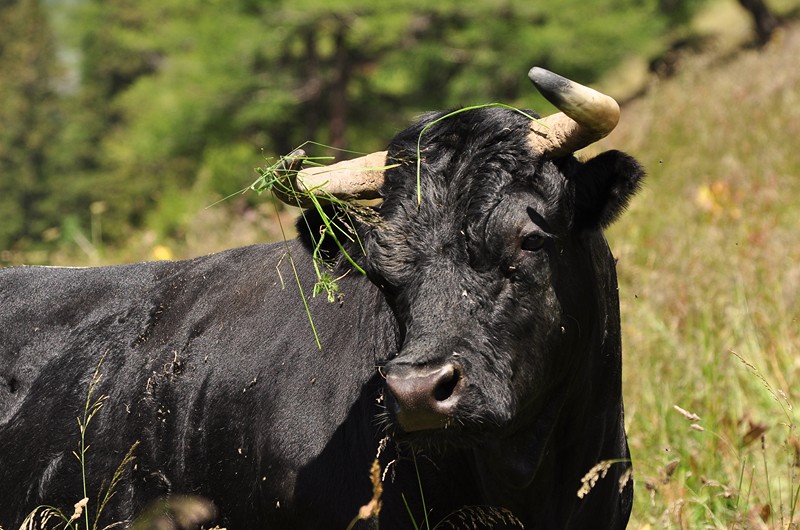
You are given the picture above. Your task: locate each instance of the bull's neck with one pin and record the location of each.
(538, 470)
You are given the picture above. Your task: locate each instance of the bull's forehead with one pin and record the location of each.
(465, 167)
(461, 185)
(480, 187)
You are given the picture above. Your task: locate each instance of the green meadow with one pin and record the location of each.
(708, 263)
(709, 268)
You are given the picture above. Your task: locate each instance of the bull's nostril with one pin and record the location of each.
(424, 397)
(446, 384)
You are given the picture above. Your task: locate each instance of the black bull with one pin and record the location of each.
(483, 348)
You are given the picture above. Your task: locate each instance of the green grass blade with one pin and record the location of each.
(450, 115)
(410, 515)
(421, 494)
(297, 280)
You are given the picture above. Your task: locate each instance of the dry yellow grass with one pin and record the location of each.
(709, 262)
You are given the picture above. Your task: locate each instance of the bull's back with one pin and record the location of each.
(210, 364)
(47, 313)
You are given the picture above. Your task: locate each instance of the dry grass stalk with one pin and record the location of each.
(688, 415)
(79, 506)
(625, 478)
(40, 518)
(599, 471)
(475, 517)
(596, 473)
(373, 508)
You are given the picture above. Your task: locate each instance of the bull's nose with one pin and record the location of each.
(425, 397)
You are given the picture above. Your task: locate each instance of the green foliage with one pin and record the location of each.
(170, 97)
(29, 118)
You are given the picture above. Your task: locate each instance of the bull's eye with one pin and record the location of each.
(533, 242)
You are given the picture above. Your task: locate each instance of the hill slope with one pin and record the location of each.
(709, 262)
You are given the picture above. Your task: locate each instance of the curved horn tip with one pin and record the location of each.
(591, 109)
(546, 81)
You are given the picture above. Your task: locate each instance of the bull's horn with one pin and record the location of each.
(586, 115)
(359, 178)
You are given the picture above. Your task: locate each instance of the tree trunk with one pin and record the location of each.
(338, 100)
(313, 93)
(763, 19)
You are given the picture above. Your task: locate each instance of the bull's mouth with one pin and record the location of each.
(454, 435)
(429, 430)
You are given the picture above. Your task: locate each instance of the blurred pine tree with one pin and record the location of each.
(29, 116)
(174, 100)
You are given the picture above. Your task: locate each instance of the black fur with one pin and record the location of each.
(605, 185)
(211, 363)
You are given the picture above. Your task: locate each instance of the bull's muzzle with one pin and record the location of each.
(424, 398)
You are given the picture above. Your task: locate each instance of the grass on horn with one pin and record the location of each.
(339, 228)
(275, 177)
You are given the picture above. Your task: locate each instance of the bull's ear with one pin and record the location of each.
(604, 186)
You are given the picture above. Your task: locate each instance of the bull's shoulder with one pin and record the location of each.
(231, 296)
(25, 285)
(59, 304)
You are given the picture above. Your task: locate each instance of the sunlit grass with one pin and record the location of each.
(709, 264)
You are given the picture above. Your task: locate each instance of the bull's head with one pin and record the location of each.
(499, 277)
(586, 116)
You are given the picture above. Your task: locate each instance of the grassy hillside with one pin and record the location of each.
(709, 263)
